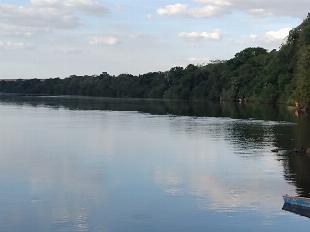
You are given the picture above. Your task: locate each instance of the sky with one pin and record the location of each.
(59, 38)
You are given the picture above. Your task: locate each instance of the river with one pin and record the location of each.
(114, 165)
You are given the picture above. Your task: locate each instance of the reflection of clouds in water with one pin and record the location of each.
(215, 177)
(71, 188)
(190, 159)
(223, 194)
(46, 172)
(170, 182)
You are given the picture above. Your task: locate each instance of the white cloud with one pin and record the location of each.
(175, 9)
(262, 8)
(297, 8)
(9, 45)
(206, 11)
(216, 2)
(200, 36)
(33, 17)
(86, 6)
(259, 12)
(253, 36)
(198, 60)
(270, 39)
(184, 10)
(68, 50)
(104, 40)
(11, 30)
(278, 35)
(46, 15)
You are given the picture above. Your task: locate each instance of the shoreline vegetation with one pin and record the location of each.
(253, 75)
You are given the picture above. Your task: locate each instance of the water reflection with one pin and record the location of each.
(217, 179)
(179, 165)
(297, 210)
(158, 107)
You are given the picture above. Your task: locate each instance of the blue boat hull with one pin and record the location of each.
(297, 201)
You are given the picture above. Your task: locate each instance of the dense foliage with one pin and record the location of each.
(253, 74)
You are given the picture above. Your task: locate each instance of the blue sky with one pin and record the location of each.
(51, 38)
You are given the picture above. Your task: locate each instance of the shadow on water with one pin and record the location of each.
(259, 127)
(156, 106)
(296, 210)
(297, 170)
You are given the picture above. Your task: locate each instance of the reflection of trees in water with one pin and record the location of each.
(297, 170)
(296, 166)
(155, 106)
(282, 137)
(247, 136)
(244, 135)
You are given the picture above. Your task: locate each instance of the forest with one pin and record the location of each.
(254, 75)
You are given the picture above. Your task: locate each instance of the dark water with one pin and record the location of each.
(81, 164)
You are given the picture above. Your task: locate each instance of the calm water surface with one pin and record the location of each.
(80, 164)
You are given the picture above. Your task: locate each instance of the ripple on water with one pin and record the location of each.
(77, 223)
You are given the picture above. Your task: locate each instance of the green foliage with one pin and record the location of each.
(254, 74)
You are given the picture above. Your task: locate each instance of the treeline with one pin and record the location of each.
(254, 74)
